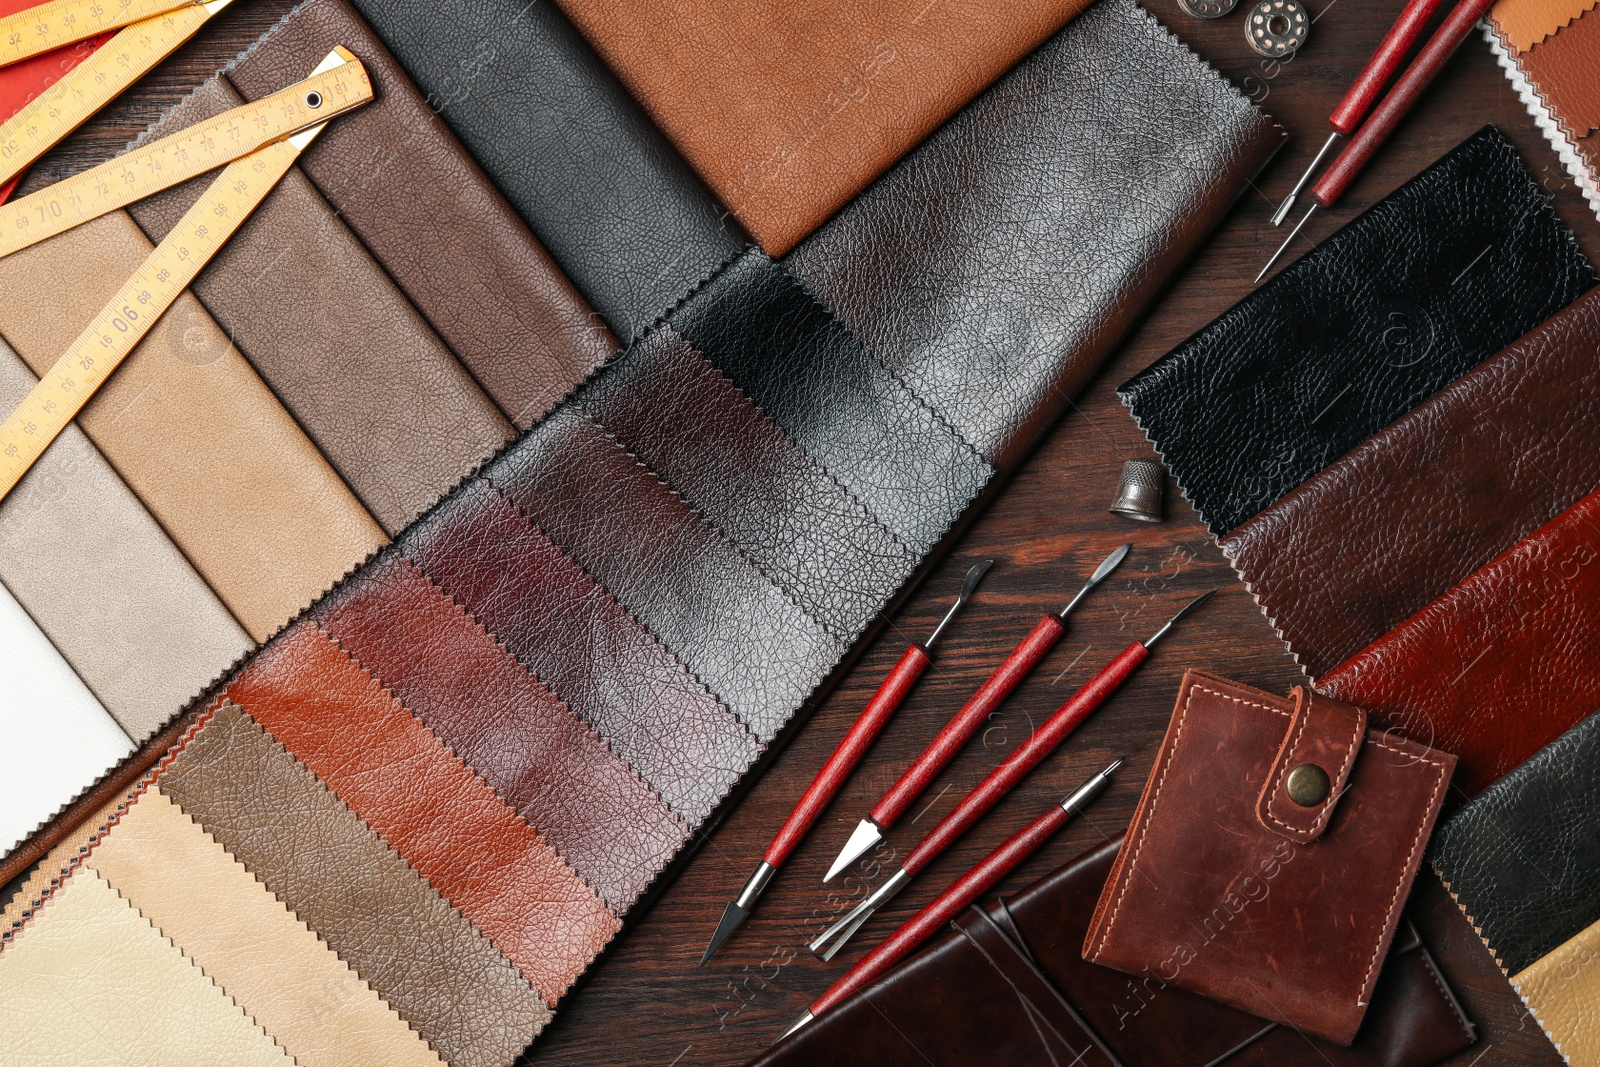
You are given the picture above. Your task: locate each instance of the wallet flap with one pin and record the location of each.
(1313, 766)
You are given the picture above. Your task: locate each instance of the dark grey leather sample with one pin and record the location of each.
(1442, 273)
(628, 220)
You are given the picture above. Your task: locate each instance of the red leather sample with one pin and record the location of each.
(1502, 664)
(393, 772)
(21, 82)
(1566, 74)
(584, 645)
(529, 747)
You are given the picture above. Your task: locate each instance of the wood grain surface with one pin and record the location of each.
(647, 1003)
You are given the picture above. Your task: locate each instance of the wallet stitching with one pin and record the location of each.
(1327, 809)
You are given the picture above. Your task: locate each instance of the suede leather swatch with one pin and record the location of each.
(1566, 76)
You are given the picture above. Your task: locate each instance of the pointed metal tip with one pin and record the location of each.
(1188, 609)
(1284, 208)
(1107, 565)
(733, 916)
(975, 575)
(1287, 241)
(1114, 765)
(805, 1017)
(864, 836)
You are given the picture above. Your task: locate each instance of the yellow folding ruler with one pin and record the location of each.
(162, 277)
(63, 22)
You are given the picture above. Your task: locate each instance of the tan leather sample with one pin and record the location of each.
(88, 982)
(1566, 74)
(248, 943)
(788, 110)
(1562, 988)
(1524, 23)
(52, 870)
(193, 431)
(315, 855)
(141, 628)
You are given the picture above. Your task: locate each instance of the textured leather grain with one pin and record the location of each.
(426, 211)
(256, 951)
(89, 982)
(529, 747)
(616, 205)
(1563, 73)
(337, 341)
(1446, 270)
(132, 617)
(1562, 990)
(585, 646)
(49, 874)
(996, 333)
(314, 854)
(193, 431)
(1382, 531)
(1524, 23)
(420, 798)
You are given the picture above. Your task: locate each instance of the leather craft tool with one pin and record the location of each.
(1000, 781)
(46, 27)
(960, 895)
(834, 773)
(128, 316)
(1140, 490)
(959, 730)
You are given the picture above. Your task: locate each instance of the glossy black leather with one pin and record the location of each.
(1523, 858)
(616, 205)
(1452, 266)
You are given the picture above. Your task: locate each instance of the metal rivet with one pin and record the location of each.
(313, 99)
(1309, 785)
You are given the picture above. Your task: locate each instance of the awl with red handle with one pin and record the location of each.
(959, 730)
(831, 778)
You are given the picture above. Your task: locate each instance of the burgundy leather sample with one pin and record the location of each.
(1235, 886)
(584, 645)
(1503, 663)
(1385, 529)
(528, 746)
(404, 783)
(425, 210)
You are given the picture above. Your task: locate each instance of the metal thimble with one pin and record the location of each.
(1139, 495)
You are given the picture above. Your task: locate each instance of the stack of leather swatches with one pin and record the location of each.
(433, 793)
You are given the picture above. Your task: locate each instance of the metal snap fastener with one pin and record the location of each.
(1309, 785)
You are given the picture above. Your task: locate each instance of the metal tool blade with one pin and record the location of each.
(975, 575)
(864, 836)
(805, 1017)
(1107, 565)
(733, 916)
(1287, 241)
(841, 931)
(1188, 609)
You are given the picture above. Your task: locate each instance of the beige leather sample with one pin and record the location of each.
(52, 869)
(89, 982)
(1562, 989)
(283, 976)
(132, 617)
(193, 431)
(1524, 23)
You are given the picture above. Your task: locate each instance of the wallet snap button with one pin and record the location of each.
(1309, 785)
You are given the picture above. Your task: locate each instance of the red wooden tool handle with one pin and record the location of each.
(959, 730)
(850, 749)
(1396, 44)
(1067, 718)
(1387, 115)
(946, 906)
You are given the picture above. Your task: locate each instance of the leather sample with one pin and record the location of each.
(628, 220)
(255, 950)
(584, 645)
(528, 746)
(1499, 666)
(1385, 529)
(50, 873)
(424, 209)
(1563, 73)
(789, 110)
(1524, 23)
(132, 617)
(757, 325)
(193, 431)
(1563, 991)
(1239, 888)
(316, 856)
(1027, 996)
(340, 345)
(1449, 268)
(88, 956)
(22, 81)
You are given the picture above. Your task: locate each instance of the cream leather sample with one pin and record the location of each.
(88, 982)
(50, 872)
(193, 431)
(1562, 989)
(132, 617)
(1524, 23)
(58, 739)
(283, 976)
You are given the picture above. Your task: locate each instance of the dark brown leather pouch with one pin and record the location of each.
(1270, 855)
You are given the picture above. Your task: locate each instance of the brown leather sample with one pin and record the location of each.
(424, 209)
(786, 110)
(348, 355)
(1524, 23)
(529, 747)
(1566, 75)
(404, 783)
(304, 844)
(1388, 527)
(584, 645)
(193, 431)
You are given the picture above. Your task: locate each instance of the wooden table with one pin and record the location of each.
(647, 1003)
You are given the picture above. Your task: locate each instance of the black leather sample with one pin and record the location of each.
(1523, 858)
(861, 422)
(630, 223)
(1446, 270)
